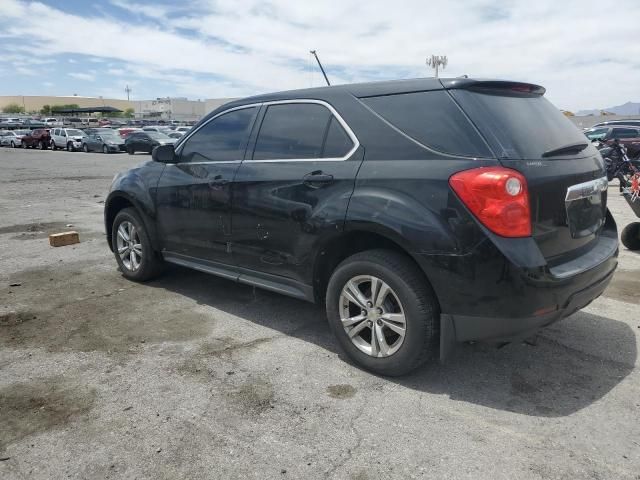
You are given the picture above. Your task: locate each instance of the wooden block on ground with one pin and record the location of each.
(63, 239)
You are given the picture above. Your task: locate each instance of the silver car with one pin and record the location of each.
(12, 138)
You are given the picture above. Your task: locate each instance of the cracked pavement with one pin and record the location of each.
(191, 376)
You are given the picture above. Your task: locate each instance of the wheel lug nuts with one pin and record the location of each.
(370, 323)
(369, 304)
(379, 311)
(364, 312)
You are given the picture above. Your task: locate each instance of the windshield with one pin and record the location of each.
(157, 135)
(75, 133)
(111, 137)
(521, 127)
(596, 133)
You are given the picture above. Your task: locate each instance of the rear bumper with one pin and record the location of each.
(501, 329)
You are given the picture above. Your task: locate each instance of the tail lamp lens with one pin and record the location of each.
(497, 197)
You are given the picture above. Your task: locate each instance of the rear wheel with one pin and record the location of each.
(13, 144)
(132, 248)
(23, 145)
(631, 236)
(383, 312)
(53, 145)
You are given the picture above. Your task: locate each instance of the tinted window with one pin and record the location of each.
(432, 119)
(337, 143)
(598, 133)
(223, 138)
(294, 130)
(624, 133)
(516, 126)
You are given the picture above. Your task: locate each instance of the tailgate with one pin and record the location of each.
(564, 172)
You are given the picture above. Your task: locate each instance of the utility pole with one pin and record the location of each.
(313, 52)
(436, 61)
(128, 90)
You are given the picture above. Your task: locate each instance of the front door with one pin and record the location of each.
(194, 194)
(293, 189)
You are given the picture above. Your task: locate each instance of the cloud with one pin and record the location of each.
(47, 84)
(225, 47)
(89, 77)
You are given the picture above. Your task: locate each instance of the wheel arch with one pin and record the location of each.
(119, 200)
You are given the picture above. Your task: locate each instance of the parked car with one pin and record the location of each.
(418, 212)
(183, 129)
(10, 122)
(69, 138)
(13, 138)
(105, 142)
(97, 130)
(175, 135)
(125, 132)
(38, 137)
(72, 121)
(51, 122)
(635, 123)
(33, 123)
(626, 135)
(146, 141)
(157, 128)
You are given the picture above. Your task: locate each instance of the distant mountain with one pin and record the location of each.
(629, 108)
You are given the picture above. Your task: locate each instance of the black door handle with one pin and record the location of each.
(218, 181)
(317, 179)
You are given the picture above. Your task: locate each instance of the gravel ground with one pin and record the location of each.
(191, 376)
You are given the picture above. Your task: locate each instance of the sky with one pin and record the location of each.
(585, 52)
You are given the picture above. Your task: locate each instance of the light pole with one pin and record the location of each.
(436, 61)
(128, 90)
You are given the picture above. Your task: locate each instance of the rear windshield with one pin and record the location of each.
(431, 119)
(518, 126)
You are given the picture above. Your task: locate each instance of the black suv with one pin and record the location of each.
(420, 212)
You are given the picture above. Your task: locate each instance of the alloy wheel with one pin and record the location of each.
(372, 316)
(129, 246)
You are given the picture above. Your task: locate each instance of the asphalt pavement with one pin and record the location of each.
(191, 376)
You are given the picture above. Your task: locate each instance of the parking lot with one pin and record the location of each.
(191, 376)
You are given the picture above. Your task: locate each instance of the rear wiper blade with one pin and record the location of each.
(573, 148)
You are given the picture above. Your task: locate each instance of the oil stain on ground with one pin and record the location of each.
(254, 396)
(341, 392)
(625, 287)
(39, 406)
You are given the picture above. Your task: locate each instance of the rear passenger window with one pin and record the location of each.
(222, 139)
(432, 119)
(338, 143)
(292, 130)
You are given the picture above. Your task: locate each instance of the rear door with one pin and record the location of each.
(564, 171)
(293, 188)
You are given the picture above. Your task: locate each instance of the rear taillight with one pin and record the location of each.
(498, 197)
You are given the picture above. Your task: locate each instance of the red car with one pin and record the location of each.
(39, 137)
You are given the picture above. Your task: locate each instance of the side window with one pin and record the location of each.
(338, 143)
(292, 130)
(432, 119)
(223, 138)
(624, 133)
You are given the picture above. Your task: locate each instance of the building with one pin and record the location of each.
(164, 108)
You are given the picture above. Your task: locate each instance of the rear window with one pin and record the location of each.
(431, 119)
(521, 127)
(624, 133)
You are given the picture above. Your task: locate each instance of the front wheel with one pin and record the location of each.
(383, 312)
(53, 145)
(42, 145)
(13, 144)
(132, 248)
(130, 150)
(630, 236)
(105, 149)
(85, 148)
(23, 145)
(70, 147)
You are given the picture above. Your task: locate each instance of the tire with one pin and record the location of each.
(70, 147)
(631, 236)
(23, 145)
(53, 146)
(410, 294)
(150, 265)
(85, 148)
(131, 151)
(42, 146)
(13, 144)
(105, 149)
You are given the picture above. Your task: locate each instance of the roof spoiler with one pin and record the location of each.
(496, 87)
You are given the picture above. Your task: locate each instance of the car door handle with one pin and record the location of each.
(218, 181)
(317, 179)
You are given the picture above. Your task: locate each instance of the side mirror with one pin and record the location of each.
(164, 154)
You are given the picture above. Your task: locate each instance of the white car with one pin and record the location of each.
(12, 138)
(51, 122)
(69, 138)
(183, 129)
